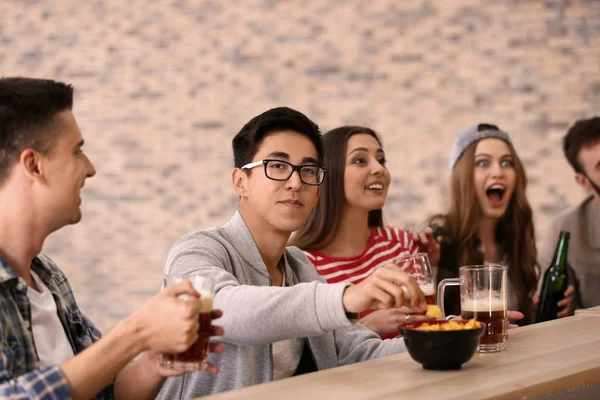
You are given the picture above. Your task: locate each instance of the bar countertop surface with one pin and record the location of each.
(539, 359)
(588, 311)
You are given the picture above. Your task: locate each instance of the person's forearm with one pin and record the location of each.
(95, 367)
(358, 343)
(139, 380)
(261, 315)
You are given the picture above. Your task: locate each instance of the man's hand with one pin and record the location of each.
(154, 356)
(167, 323)
(384, 288)
(427, 244)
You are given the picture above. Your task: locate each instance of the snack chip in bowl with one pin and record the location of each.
(440, 344)
(433, 311)
(449, 326)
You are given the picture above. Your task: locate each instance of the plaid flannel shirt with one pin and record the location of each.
(20, 374)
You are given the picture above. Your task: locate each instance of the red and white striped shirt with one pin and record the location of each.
(385, 245)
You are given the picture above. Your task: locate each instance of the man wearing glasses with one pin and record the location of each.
(281, 319)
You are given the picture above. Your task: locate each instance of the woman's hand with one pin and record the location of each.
(516, 315)
(427, 244)
(386, 321)
(566, 304)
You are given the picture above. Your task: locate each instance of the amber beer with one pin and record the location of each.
(195, 358)
(493, 315)
(418, 266)
(429, 291)
(483, 297)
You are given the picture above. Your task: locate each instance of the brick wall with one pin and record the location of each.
(163, 85)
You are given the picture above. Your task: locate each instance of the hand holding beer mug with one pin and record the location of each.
(194, 358)
(482, 297)
(418, 266)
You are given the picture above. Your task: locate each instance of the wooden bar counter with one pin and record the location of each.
(589, 311)
(539, 359)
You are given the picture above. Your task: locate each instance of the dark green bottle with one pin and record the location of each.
(555, 281)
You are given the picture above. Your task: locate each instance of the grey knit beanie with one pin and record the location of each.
(471, 135)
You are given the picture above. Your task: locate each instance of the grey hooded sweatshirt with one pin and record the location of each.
(257, 314)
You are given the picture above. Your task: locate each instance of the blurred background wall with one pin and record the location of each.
(163, 85)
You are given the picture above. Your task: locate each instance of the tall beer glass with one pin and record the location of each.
(418, 266)
(194, 358)
(482, 297)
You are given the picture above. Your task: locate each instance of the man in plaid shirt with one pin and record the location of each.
(48, 348)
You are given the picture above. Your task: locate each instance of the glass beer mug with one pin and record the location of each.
(482, 297)
(418, 266)
(194, 358)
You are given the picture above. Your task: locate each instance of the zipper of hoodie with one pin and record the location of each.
(272, 366)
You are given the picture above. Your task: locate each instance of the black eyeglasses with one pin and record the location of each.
(279, 170)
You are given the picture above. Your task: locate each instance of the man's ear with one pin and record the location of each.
(239, 179)
(31, 163)
(582, 181)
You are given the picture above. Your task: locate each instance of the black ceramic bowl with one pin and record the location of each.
(440, 350)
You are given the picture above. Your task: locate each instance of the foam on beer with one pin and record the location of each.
(206, 301)
(483, 305)
(428, 289)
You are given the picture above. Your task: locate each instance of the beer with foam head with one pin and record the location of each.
(429, 291)
(493, 314)
(482, 297)
(194, 358)
(418, 266)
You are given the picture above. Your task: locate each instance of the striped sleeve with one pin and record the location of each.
(404, 237)
(385, 245)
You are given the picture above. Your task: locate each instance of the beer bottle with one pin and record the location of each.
(555, 281)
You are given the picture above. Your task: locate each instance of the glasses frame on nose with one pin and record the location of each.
(298, 168)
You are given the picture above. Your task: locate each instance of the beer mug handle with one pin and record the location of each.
(442, 289)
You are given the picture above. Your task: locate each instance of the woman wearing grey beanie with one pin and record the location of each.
(490, 219)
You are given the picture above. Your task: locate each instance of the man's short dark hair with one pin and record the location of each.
(584, 133)
(28, 109)
(246, 143)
